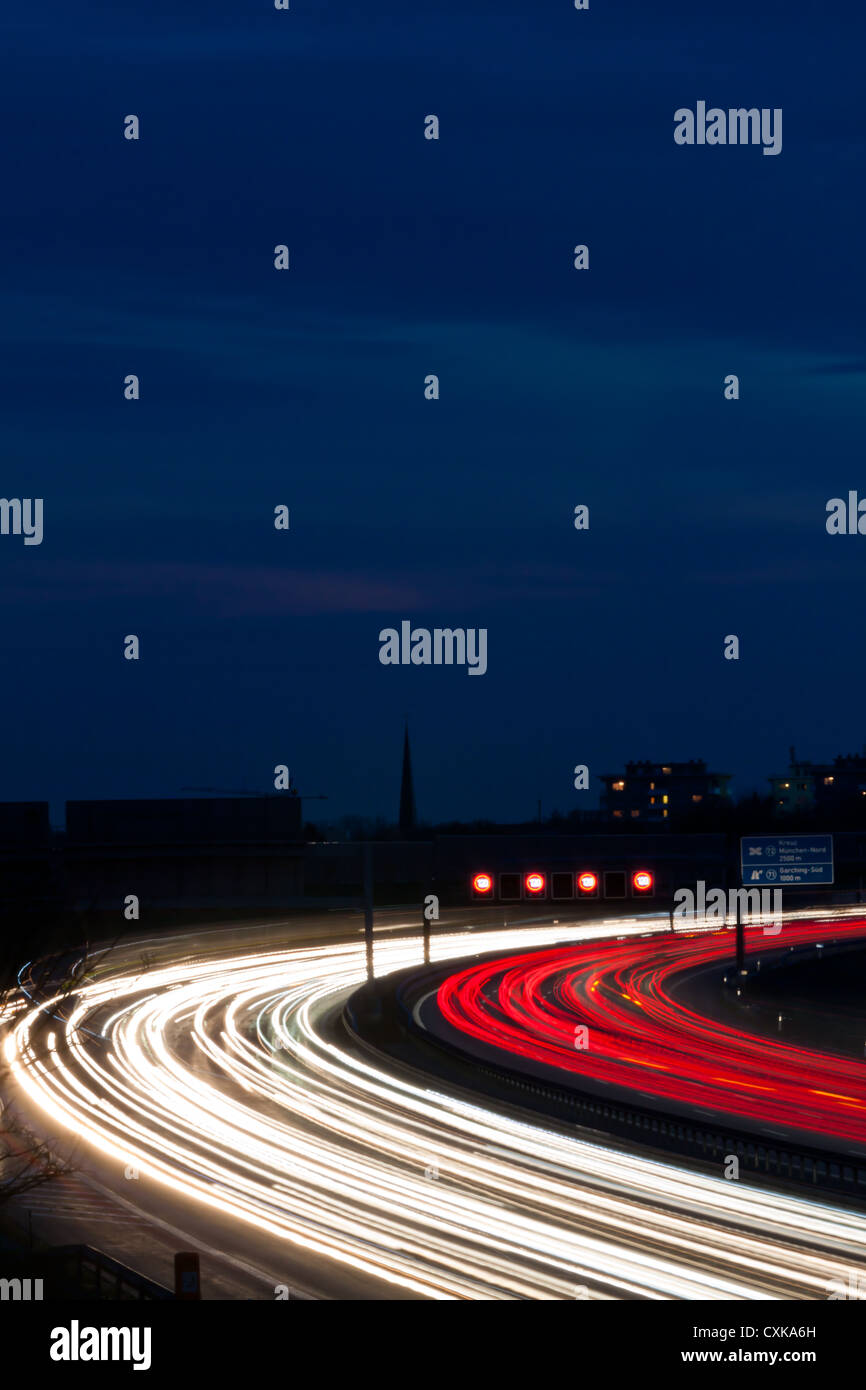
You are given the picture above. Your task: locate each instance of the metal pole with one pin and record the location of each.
(426, 924)
(741, 939)
(368, 907)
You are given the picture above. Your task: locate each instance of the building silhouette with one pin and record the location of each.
(806, 786)
(649, 791)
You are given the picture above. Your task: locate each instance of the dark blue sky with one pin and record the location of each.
(306, 388)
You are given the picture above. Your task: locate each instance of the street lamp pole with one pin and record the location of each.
(368, 907)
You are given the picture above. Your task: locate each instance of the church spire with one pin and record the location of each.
(407, 793)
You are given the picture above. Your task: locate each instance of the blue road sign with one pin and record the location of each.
(780, 860)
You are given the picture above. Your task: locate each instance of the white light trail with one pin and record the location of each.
(214, 1077)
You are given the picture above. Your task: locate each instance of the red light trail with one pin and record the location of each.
(640, 1038)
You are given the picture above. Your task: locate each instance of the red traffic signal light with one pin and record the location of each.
(642, 881)
(534, 884)
(482, 883)
(587, 882)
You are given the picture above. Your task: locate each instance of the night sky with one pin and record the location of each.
(306, 388)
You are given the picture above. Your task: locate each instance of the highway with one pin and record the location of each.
(211, 1069)
(642, 1032)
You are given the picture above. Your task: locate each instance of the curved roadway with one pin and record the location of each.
(218, 1073)
(622, 1015)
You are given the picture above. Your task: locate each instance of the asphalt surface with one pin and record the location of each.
(208, 1107)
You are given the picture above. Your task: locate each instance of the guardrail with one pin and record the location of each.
(380, 1012)
(81, 1272)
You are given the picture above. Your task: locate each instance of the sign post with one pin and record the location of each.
(368, 908)
(187, 1277)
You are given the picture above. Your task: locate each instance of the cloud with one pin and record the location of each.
(224, 590)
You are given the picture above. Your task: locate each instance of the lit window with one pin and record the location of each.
(664, 815)
(635, 813)
(617, 813)
(828, 781)
(665, 799)
(652, 801)
(699, 796)
(618, 786)
(667, 771)
(786, 785)
(652, 786)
